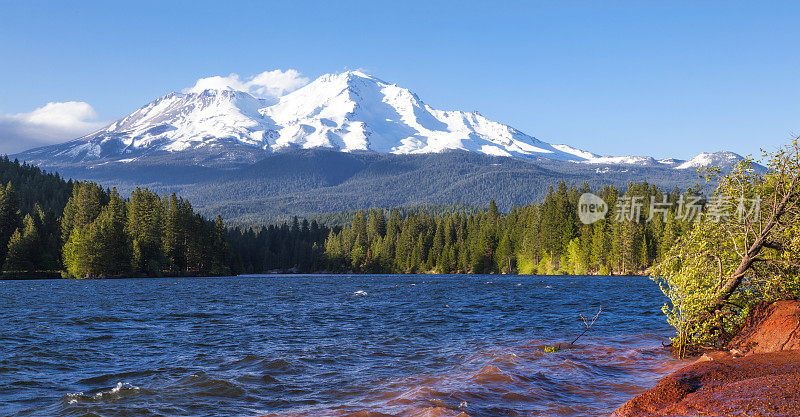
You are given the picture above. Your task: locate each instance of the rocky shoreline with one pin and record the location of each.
(758, 375)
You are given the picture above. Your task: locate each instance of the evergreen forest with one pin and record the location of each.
(54, 227)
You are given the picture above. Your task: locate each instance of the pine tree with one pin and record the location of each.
(115, 248)
(504, 255)
(24, 250)
(493, 211)
(145, 227)
(220, 250)
(9, 217)
(178, 234)
(601, 246)
(87, 200)
(376, 224)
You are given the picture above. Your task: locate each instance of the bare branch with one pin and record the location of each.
(587, 324)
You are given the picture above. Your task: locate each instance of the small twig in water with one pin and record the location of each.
(587, 324)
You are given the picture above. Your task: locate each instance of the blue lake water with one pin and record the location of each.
(420, 345)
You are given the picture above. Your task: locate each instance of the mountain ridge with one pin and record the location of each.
(349, 112)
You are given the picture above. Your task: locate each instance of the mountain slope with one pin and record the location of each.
(212, 121)
(350, 112)
(311, 182)
(356, 112)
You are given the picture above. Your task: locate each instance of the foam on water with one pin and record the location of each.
(116, 392)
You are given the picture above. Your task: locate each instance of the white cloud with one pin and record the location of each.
(268, 84)
(60, 122)
(49, 124)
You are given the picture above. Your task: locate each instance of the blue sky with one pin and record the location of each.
(644, 78)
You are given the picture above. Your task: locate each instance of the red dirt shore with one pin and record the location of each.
(758, 376)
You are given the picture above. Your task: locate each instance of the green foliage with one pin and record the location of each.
(23, 247)
(34, 187)
(145, 227)
(298, 247)
(576, 264)
(82, 207)
(690, 276)
(101, 234)
(733, 256)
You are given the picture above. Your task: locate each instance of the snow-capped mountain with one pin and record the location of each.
(356, 112)
(721, 159)
(348, 112)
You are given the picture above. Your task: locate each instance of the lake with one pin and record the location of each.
(408, 345)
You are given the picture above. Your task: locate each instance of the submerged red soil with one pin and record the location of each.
(758, 376)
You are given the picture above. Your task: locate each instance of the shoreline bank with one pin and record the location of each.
(759, 373)
(764, 384)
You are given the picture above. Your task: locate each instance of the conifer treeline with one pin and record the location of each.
(298, 247)
(146, 234)
(51, 227)
(31, 202)
(545, 238)
(48, 224)
(101, 234)
(34, 187)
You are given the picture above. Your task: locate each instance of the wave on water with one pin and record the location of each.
(588, 380)
(121, 390)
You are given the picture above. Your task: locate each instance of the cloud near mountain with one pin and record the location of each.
(57, 122)
(46, 125)
(267, 84)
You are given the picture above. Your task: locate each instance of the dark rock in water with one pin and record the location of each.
(764, 382)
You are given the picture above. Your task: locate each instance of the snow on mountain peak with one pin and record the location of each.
(723, 158)
(348, 111)
(179, 121)
(354, 111)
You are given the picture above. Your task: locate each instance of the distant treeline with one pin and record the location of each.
(339, 219)
(545, 238)
(49, 226)
(299, 247)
